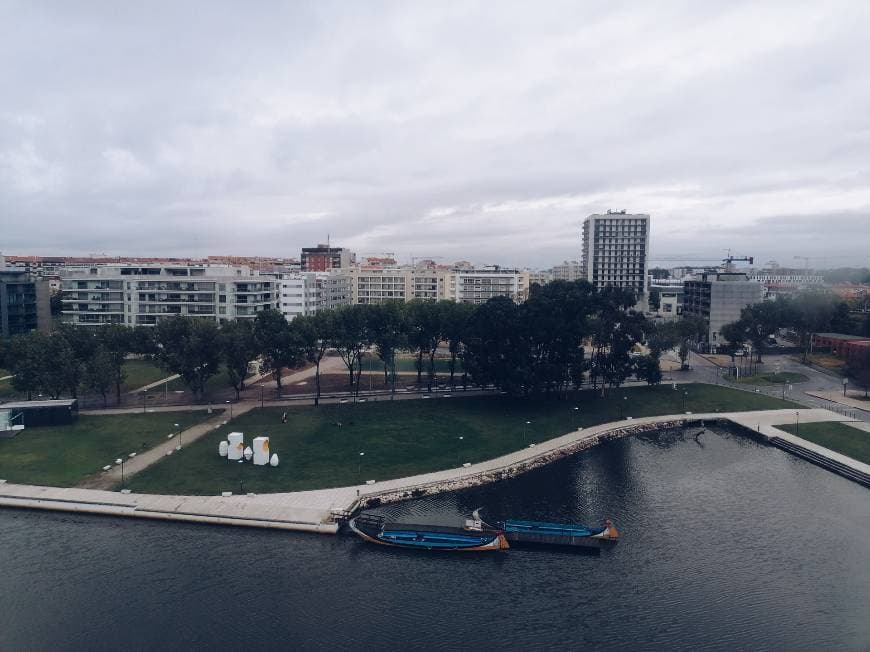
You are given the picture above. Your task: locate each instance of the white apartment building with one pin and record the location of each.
(616, 251)
(541, 277)
(481, 285)
(570, 270)
(142, 295)
(307, 292)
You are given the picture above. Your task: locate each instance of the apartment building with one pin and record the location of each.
(142, 295)
(570, 270)
(24, 303)
(718, 298)
(323, 258)
(616, 251)
(480, 285)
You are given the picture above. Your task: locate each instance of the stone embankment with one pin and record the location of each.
(320, 510)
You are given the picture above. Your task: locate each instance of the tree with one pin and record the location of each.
(277, 342)
(71, 346)
(238, 348)
(315, 332)
(762, 320)
(350, 337)
(689, 331)
(655, 299)
(735, 333)
(495, 350)
(807, 313)
(189, 347)
(859, 366)
(27, 362)
(647, 368)
(388, 330)
(99, 372)
(425, 326)
(115, 340)
(661, 336)
(456, 318)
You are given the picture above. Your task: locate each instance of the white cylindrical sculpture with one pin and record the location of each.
(249, 453)
(236, 446)
(261, 451)
(223, 447)
(274, 460)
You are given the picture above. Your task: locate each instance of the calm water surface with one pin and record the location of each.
(727, 544)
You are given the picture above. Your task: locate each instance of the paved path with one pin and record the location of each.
(6, 377)
(849, 401)
(315, 510)
(134, 465)
(156, 383)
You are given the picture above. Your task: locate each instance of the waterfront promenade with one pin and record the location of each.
(317, 510)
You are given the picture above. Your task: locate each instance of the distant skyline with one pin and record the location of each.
(480, 131)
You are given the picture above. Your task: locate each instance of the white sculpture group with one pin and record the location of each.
(234, 449)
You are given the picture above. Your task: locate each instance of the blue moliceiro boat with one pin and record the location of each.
(555, 534)
(376, 529)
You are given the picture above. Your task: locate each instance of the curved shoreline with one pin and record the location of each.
(320, 510)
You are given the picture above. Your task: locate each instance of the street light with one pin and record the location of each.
(178, 432)
(359, 468)
(231, 409)
(525, 431)
(621, 408)
(120, 461)
(797, 423)
(685, 395)
(575, 411)
(457, 449)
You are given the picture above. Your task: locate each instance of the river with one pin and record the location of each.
(726, 544)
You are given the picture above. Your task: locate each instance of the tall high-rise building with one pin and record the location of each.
(616, 251)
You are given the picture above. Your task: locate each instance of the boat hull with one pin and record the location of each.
(428, 538)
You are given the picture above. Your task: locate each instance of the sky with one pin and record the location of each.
(483, 131)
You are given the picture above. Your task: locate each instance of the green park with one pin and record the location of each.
(840, 437)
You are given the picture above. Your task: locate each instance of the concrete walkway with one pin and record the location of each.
(857, 402)
(157, 383)
(316, 511)
(134, 465)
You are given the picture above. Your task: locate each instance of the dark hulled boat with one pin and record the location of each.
(376, 529)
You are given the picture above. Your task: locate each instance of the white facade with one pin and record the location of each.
(616, 251)
(570, 270)
(142, 295)
(298, 295)
(481, 285)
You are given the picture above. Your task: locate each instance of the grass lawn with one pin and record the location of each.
(140, 373)
(839, 437)
(7, 391)
(64, 455)
(402, 438)
(773, 379)
(829, 362)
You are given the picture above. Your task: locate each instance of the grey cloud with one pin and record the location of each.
(481, 131)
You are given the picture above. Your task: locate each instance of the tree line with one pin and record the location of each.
(564, 334)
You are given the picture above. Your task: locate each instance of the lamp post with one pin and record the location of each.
(845, 382)
(797, 423)
(178, 432)
(525, 431)
(575, 411)
(262, 400)
(685, 395)
(120, 461)
(457, 450)
(359, 468)
(231, 409)
(622, 407)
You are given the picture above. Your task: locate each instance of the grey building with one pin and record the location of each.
(24, 303)
(718, 298)
(616, 252)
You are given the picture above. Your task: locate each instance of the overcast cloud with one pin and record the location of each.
(481, 131)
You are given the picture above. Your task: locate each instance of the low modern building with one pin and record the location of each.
(837, 344)
(718, 298)
(670, 292)
(142, 295)
(24, 303)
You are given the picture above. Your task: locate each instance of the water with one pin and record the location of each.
(727, 544)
